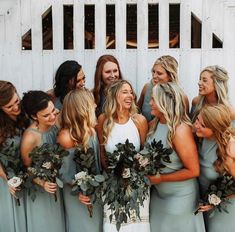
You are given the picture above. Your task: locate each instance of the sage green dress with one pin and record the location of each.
(220, 221)
(76, 213)
(172, 204)
(146, 109)
(45, 214)
(12, 215)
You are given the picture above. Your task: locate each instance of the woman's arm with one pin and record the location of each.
(185, 147)
(2, 173)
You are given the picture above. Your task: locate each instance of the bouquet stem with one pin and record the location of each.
(90, 210)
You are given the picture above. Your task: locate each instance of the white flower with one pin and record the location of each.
(81, 176)
(138, 156)
(213, 199)
(14, 182)
(47, 165)
(126, 173)
(144, 162)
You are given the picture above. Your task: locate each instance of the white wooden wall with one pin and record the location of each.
(35, 69)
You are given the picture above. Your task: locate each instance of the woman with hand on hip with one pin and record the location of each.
(12, 124)
(77, 129)
(175, 194)
(217, 155)
(118, 123)
(44, 213)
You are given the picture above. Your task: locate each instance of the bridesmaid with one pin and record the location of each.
(12, 124)
(175, 193)
(118, 123)
(217, 156)
(44, 214)
(165, 69)
(213, 90)
(107, 71)
(68, 76)
(77, 128)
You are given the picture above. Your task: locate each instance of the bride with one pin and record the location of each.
(118, 123)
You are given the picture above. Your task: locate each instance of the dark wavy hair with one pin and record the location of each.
(9, 127)
(98, 87)
(66, 72)
(34, 101)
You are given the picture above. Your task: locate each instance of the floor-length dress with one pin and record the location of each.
(119, 134)
(172, 204)
(45, 214)
(76, 213)
(12, 215)
(221, 221)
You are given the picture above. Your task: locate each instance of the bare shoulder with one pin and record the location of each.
(30, 137)
(232, 110)
(195, 101)
(139, 118)
(182, 130)
(64, 139)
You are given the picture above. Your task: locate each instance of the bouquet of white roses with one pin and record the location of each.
(13, 167)
(127, 187)
(217, 194)
(46, 163)
(87, 181)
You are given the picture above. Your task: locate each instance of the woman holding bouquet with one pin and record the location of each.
(118, 123)
(44, 213)
(175, 194)
(217, 155)
(12, 124)
(77, 129)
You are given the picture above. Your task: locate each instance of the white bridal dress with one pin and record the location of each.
(119, 134)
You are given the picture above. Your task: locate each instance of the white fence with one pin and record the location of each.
(34, 69)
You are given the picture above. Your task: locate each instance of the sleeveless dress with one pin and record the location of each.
(221, 221)
(76, 213)
(119, 134)
(45, 214)
(146, 109)
(12, 215)
(173, 204)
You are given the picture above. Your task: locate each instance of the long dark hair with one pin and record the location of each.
(9, 127)
(66, 72)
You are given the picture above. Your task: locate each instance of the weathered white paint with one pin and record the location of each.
(35, 69)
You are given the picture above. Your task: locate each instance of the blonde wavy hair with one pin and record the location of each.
(170, 64)
(220, 80)
(218, 119)
(112, 106)
(78, 116)
(169, 99)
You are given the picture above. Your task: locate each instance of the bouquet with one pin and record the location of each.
(127, 187)
(87, 181)
(13, 167)
(46, 163)
(217, 194)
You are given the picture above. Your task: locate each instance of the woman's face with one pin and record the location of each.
(47, 117)
(125, 96)
(159, 75)
(154, 109)
(81, 80)
(201, 130)
(110, 73)
(206, 84)
(12, 108)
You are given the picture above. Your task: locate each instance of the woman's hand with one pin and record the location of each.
(13, 190)
(84, 199)
(205, 208)
(50, 187)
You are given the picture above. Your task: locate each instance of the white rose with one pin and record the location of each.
(213, 199)
(47, 165)
(81, 175)
(14, 182)
(144, 162)
(126, 173)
